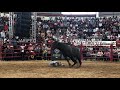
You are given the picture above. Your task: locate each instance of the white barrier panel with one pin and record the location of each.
(93, 43)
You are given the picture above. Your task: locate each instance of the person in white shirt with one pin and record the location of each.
(56, 64)
(22, 51)
(2, 34)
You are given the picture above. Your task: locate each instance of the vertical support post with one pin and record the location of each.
(11, 24)
(111, 52)
(34, 28)
(81, 50)
(52, 50)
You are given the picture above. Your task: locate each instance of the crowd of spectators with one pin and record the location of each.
(4, 24)
(67, 29)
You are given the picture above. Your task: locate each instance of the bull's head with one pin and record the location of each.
(55, 42)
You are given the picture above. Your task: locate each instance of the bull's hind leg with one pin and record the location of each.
(79, 62)
(68, 61)
(74, 60)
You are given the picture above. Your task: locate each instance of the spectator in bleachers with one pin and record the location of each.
(99, 55)
(38, 50)
(49, 53)
(8, 52)
(44, 53)
(115, 55)
(106, 55)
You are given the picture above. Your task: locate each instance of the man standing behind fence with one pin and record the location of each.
(44, 54)
(100, 55)
(22, 51)
(37, 50)
(107, 55)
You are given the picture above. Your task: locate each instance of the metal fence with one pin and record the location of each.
(108, 53)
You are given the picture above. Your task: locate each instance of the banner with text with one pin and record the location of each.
(93, 43)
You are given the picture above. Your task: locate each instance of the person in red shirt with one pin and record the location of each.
(118, 43)
(5, 27)
(31, 52)
(106, 55)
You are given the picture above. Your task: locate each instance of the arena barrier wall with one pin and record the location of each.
(15, 54)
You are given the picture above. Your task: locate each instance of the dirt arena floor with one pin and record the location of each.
(41, 69)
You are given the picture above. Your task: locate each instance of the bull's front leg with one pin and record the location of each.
(69, 63)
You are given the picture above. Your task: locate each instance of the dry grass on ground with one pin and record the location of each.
(41, 69)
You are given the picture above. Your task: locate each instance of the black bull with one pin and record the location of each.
(69, 52)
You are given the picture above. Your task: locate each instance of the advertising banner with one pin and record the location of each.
(93, 43)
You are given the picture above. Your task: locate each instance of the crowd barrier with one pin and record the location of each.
(15, 54)
(113, 56)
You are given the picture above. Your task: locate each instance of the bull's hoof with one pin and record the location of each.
(70, 66)
(78, 66)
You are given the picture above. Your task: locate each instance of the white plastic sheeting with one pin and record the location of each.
(81, 13)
